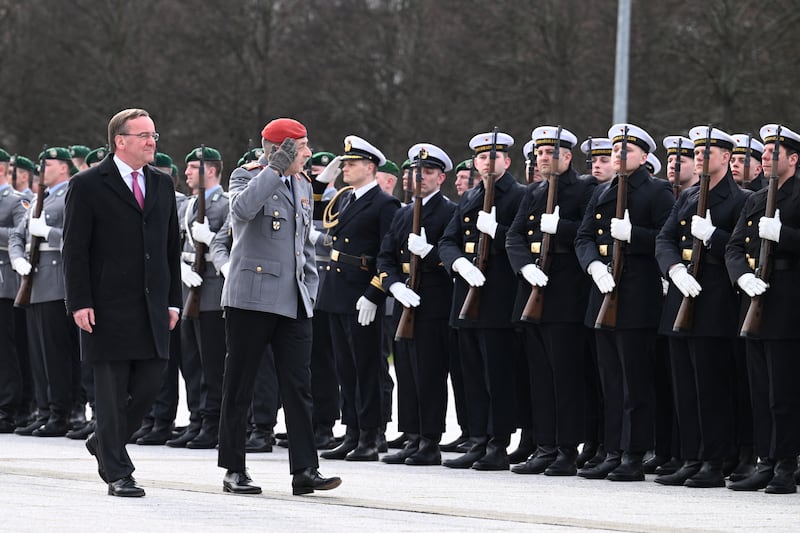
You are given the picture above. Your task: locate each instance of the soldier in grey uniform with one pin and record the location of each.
(54, 334)
(12, 213)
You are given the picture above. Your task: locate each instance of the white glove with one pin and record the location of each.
(549, 222)
(621, 228)
(331, 171)
(201, 232)
(313, 235)
(534, 275)
(366, 311)
(487, 222)
(664, 286)
(702, 228)
(684, 281)
(768, 228)
(751, 285)
(224, 269)
(22, 266)
(405, 296)
(38, 227)
(418, 244)
(469, 272)
(189, 277)
(601, 276)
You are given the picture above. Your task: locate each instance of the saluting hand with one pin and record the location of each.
(282, 157)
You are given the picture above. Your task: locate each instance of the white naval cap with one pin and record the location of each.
(719, 138)
(527, 150)
(756, 148)
(546, 136)
(653, 165)
(676, 143)
(636, 135)
(788, 137)
(357, 148)
(597, 146)
(430, 155)
(482, 142)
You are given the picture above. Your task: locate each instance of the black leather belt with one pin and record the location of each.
(364, 262)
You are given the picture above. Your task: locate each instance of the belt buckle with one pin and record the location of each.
(602, 249)
(469, 247)
(406, 268)
(334, 255)
(752, 262)
(686, 254)
(536, 247)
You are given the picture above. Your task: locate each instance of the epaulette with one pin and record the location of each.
(306, 176)
(252, 165)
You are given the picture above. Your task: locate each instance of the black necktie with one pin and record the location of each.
(288, 184)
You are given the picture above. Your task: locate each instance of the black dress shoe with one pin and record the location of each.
(281, 436)
(629, 470)
(709, 476)
(601, 471)
(144, 429)
(495, 457)
(783, 481)
(91, 445)
(544, 456)
(588, 451)
(525, 447)
(651, 463)
(125, 487)
(55, 427)
(309, 480)
(191, 431)
(77, 417)
(398, 443)
(451, 446)
(260, 441)
(82, 433)
(399, 458)
(476, 451)
(205, 440)
(239, 483)
(367, 449)
(760, 478)
(380, 442)
(678, 478)
(157, 437)
(427, 454)
(670, 467)
(564, 465)
(598, 458)
(347, 445)
(746, 465)
(7, 425)
(28, 430)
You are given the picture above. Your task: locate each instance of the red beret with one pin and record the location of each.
(281, 129)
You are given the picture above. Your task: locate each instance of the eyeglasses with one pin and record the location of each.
(144, 135)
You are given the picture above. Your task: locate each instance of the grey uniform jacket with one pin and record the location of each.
(12, 213)
(271, 260)
(48, 275)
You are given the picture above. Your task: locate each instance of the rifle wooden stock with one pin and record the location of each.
(685, 317)
(676, 185)
(751, 326)
(472, 303)
(532, 312)
(746, 177)
(405, 328)
(191, 309)
(23, 298)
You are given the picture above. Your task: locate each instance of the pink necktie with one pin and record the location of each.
(137, 191)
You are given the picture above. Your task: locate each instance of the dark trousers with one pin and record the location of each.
(783, 367)
(625, 360)
(743, 418)
(247, 333)
(359, 364)
(667, 427)
(522, 384)
(58, 339)
(10, 375)
(388, 329)
(457, 380)
(36, 360)
(165, 407)
(324, 382)
(685, 398)
(712, 359)
(23, 357)
(192, 371)
(124, 391)
(593, 396)
(758, 376)
(421, 368)
(264, 408)
(487, 359)
(205, 337)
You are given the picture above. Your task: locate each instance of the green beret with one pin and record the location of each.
(23, 163)
(56, 152)
(253, 154)
(79, 150)
(209, 154)
(96, 155)
(4, 156)
(406, 164)
(162, 160)
(464, 165)
(174, 171)
(390, 167)
(322, 159)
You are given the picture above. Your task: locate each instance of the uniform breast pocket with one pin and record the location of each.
(276, 222)
(260, 279)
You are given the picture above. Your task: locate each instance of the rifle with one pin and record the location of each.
(534, 306)
(407, 190)
(607, 316)
(405, 328)
(471, 178)
(589, 158)
(755, 312)
(472, 303)
(191, 308)
(685, 317)
(746, 177)
(14, 174)
(676, 185)
(23, 298)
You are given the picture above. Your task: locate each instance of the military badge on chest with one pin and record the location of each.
(276, 224)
